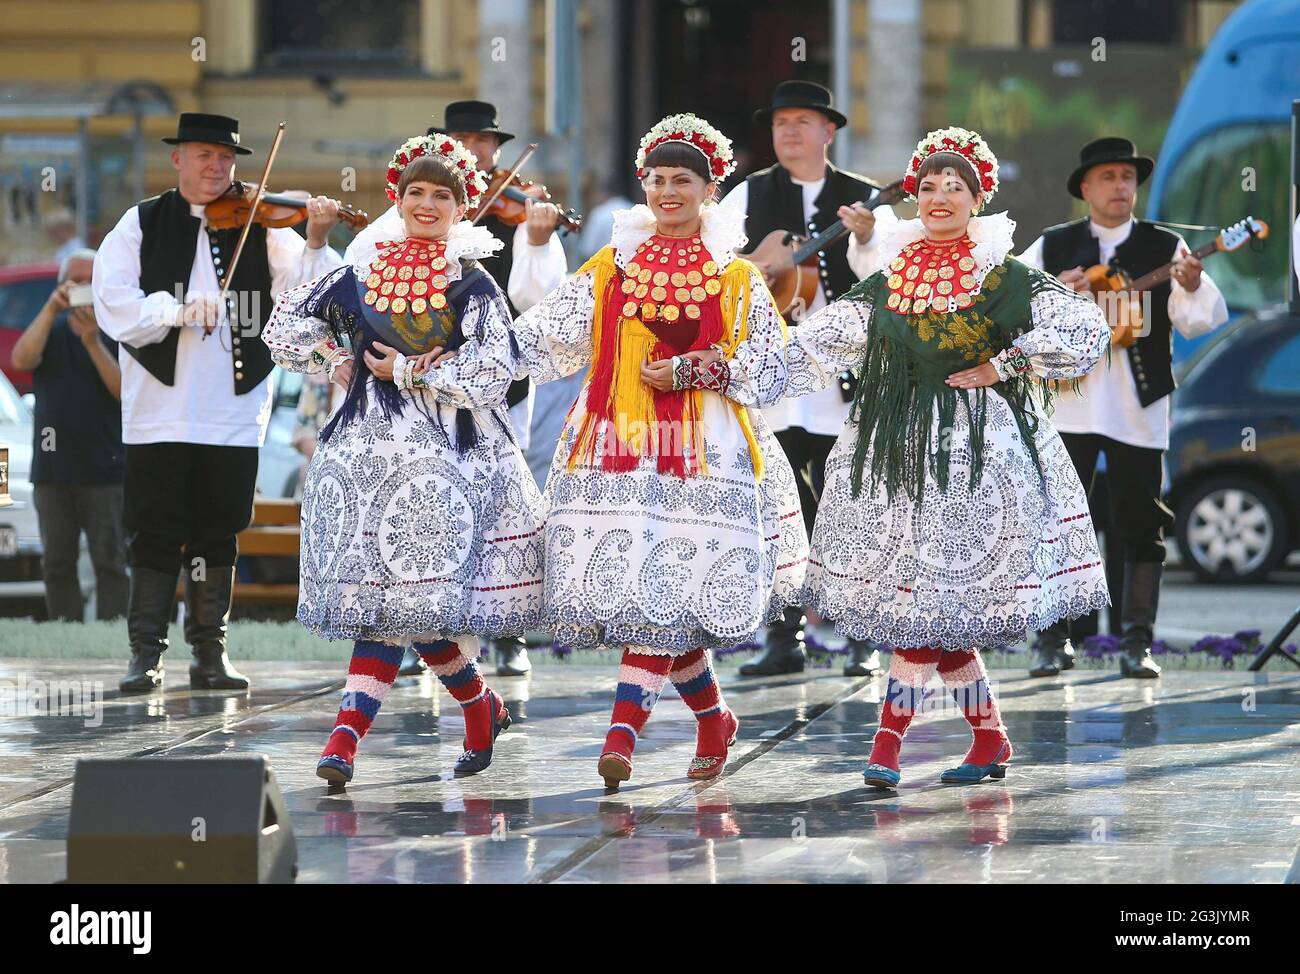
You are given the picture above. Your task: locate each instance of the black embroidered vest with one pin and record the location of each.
(1147, 247)
(169, 236)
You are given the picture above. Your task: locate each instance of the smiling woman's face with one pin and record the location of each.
(945, 203)
(429, 210)
(675, 195)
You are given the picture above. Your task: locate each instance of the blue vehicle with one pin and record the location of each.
(1233, 478)
(1227, 152)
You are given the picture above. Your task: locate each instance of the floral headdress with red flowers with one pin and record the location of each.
(967, 144)
(442, 147)
(694, 131)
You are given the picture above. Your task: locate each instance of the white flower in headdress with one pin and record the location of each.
(457, 158)
(970, 145)
(694, 131)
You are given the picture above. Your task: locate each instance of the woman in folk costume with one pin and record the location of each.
(420, 519)
(952, 518)
(673, 522)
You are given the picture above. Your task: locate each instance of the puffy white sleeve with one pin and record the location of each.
(481, 371)
(1199, 312)
(756, 372)
(865, 259)
(825, 344)
(534, 271)
(1069, 334)
(300, 342)
(293, 263)
(124, 312)
(554, 335)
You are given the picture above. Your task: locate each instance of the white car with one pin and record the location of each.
(21, 584)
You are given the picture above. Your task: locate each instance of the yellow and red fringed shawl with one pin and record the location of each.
(637, 421)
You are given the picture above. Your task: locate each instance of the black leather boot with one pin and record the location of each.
(1053, 651)
(207, 610)
(151, 599)
(413, 663)
(512, 656)
(864, 658)
(784, 652)
(1141, 599)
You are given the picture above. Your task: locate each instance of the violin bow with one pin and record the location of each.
(248, 224)
(519, 164)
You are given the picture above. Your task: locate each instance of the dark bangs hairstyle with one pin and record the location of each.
(678, 155)
(939, 161)
(426, 169)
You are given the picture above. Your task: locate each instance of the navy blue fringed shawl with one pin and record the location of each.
(337, 300)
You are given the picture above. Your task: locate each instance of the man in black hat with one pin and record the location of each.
(530, 266)
(1122, 406)
(195, 395)
(804, 193)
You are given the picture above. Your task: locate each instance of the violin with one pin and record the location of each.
(231, 208)
(510, 205)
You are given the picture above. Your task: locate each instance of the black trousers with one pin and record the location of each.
(186, 501)
(1137, 518)
(807, 453)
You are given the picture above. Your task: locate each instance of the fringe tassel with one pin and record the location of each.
(635, 420)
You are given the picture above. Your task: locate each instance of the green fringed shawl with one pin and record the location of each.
(902, 375)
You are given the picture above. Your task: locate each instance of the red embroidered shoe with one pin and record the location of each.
(705, 766)
(614, 767)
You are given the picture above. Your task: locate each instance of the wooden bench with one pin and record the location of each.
(275, 531)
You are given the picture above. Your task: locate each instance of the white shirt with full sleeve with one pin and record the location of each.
(201, 405)
(821, 412)
(1107, 401)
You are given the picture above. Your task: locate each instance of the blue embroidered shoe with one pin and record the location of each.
(472, 762)
(880, 776)
(334, 769)
(969, 774)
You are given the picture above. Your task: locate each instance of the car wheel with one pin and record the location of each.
(1231, 529)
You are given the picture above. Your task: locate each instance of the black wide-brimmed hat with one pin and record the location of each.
(217, 129)
(1109, 148)
(470, 116)
(802, 94)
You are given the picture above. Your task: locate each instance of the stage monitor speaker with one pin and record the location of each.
(179, 820)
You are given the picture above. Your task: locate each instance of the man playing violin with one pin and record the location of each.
(804, 193)
(1121, 408)
(530, 266)
(195, 395)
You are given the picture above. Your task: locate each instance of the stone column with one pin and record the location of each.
(893, 93)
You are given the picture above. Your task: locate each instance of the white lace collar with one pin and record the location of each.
(722, 231)
(465, 241)
(992, 236)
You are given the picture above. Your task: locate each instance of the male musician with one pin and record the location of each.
(1122, 406)
(531, 265)
(803, 193)
(195, 395)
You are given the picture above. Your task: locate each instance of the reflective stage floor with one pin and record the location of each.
(1192, 778)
